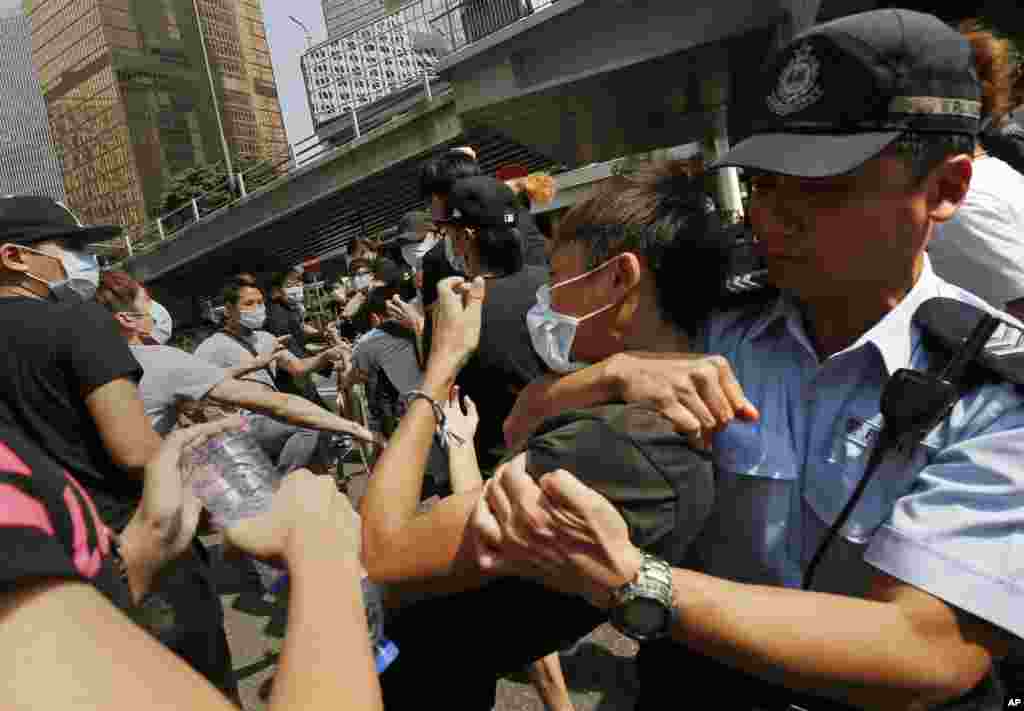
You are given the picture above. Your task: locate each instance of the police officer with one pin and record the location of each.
(864, 145)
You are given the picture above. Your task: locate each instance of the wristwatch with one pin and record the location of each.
(643, 609)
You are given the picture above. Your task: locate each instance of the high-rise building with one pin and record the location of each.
(28, 164)
(373, 61)
(128, 95)
(343, 16)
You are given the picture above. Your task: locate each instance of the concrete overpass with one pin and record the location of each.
(576, 83)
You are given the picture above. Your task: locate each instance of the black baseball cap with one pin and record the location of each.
(28, 219)
(413, 227)
(481, 201)
(842, 91)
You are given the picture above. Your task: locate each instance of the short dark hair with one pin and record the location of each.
(359, 263)
(279, 279)
(376, 303)
(245, 279)
(377, 299)
(388, 271)
(500, 248)
(232, 291)
(439, 174)
(662, 214)
(924, 151)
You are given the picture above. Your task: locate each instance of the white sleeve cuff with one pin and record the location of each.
(997, 601)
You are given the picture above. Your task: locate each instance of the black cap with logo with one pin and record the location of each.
(413, 227)
(28, 219)
(482, 201)
(842, 91)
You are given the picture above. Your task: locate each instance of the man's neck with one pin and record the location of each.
(236, 329)
(661, 337)
(834, 324)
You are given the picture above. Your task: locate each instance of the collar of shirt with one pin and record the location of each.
(894, 337)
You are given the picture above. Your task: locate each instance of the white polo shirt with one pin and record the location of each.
(981, 248)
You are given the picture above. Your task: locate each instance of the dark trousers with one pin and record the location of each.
(184, 612)
(467, 641)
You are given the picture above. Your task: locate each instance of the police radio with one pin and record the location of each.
(913, 402)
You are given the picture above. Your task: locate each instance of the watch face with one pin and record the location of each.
(644, 617)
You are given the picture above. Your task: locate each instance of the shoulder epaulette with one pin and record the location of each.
(949, 322)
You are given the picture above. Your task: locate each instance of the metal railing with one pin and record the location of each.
(394, 52)
(419, 34)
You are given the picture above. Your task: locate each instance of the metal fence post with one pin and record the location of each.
(241, 184)
(355, 118)
(128, 244)
(160, 228)
(195, 209)
(426, 85)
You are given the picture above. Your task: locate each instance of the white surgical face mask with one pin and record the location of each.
(295, 295)
(82, 275)
(361, 281)
(413, 253)
(253, 320)
(552, 333)
(162, 323)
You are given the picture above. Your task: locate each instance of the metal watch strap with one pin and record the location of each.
(653, 582)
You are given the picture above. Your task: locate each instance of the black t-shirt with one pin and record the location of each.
(286, 320)
(505, 361)
(53, 356)
(534, 251)
(49, 527)
(435, 269)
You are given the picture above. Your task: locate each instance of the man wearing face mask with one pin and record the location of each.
(242, 340)
(163, 325)
(286, 317)
(68, 380)
(70, 383)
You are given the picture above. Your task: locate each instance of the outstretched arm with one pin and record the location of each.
(398, 544)
(896, 648)
(262, 361)
(290, 408)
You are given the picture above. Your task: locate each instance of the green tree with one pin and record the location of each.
(210, 183)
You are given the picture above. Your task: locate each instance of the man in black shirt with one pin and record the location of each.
(286, 317)
(68, 380)
(70, 383)
(482, 223)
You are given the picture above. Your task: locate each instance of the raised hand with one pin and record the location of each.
(308, 511)
(166, 518)
(457, 320)
(556, 530)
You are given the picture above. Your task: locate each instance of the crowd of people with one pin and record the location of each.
(566, 426)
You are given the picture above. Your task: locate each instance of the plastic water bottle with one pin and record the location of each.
(234, 478)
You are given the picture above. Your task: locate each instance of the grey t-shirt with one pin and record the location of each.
(224, 351)
(170, 376)
(395, 356)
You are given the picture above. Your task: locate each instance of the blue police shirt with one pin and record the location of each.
(947, 518)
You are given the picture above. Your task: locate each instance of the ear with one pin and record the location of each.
(947, 187)
(626, 271)
(123, 321)
(11, 258)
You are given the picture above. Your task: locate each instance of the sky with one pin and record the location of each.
(287, 43)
